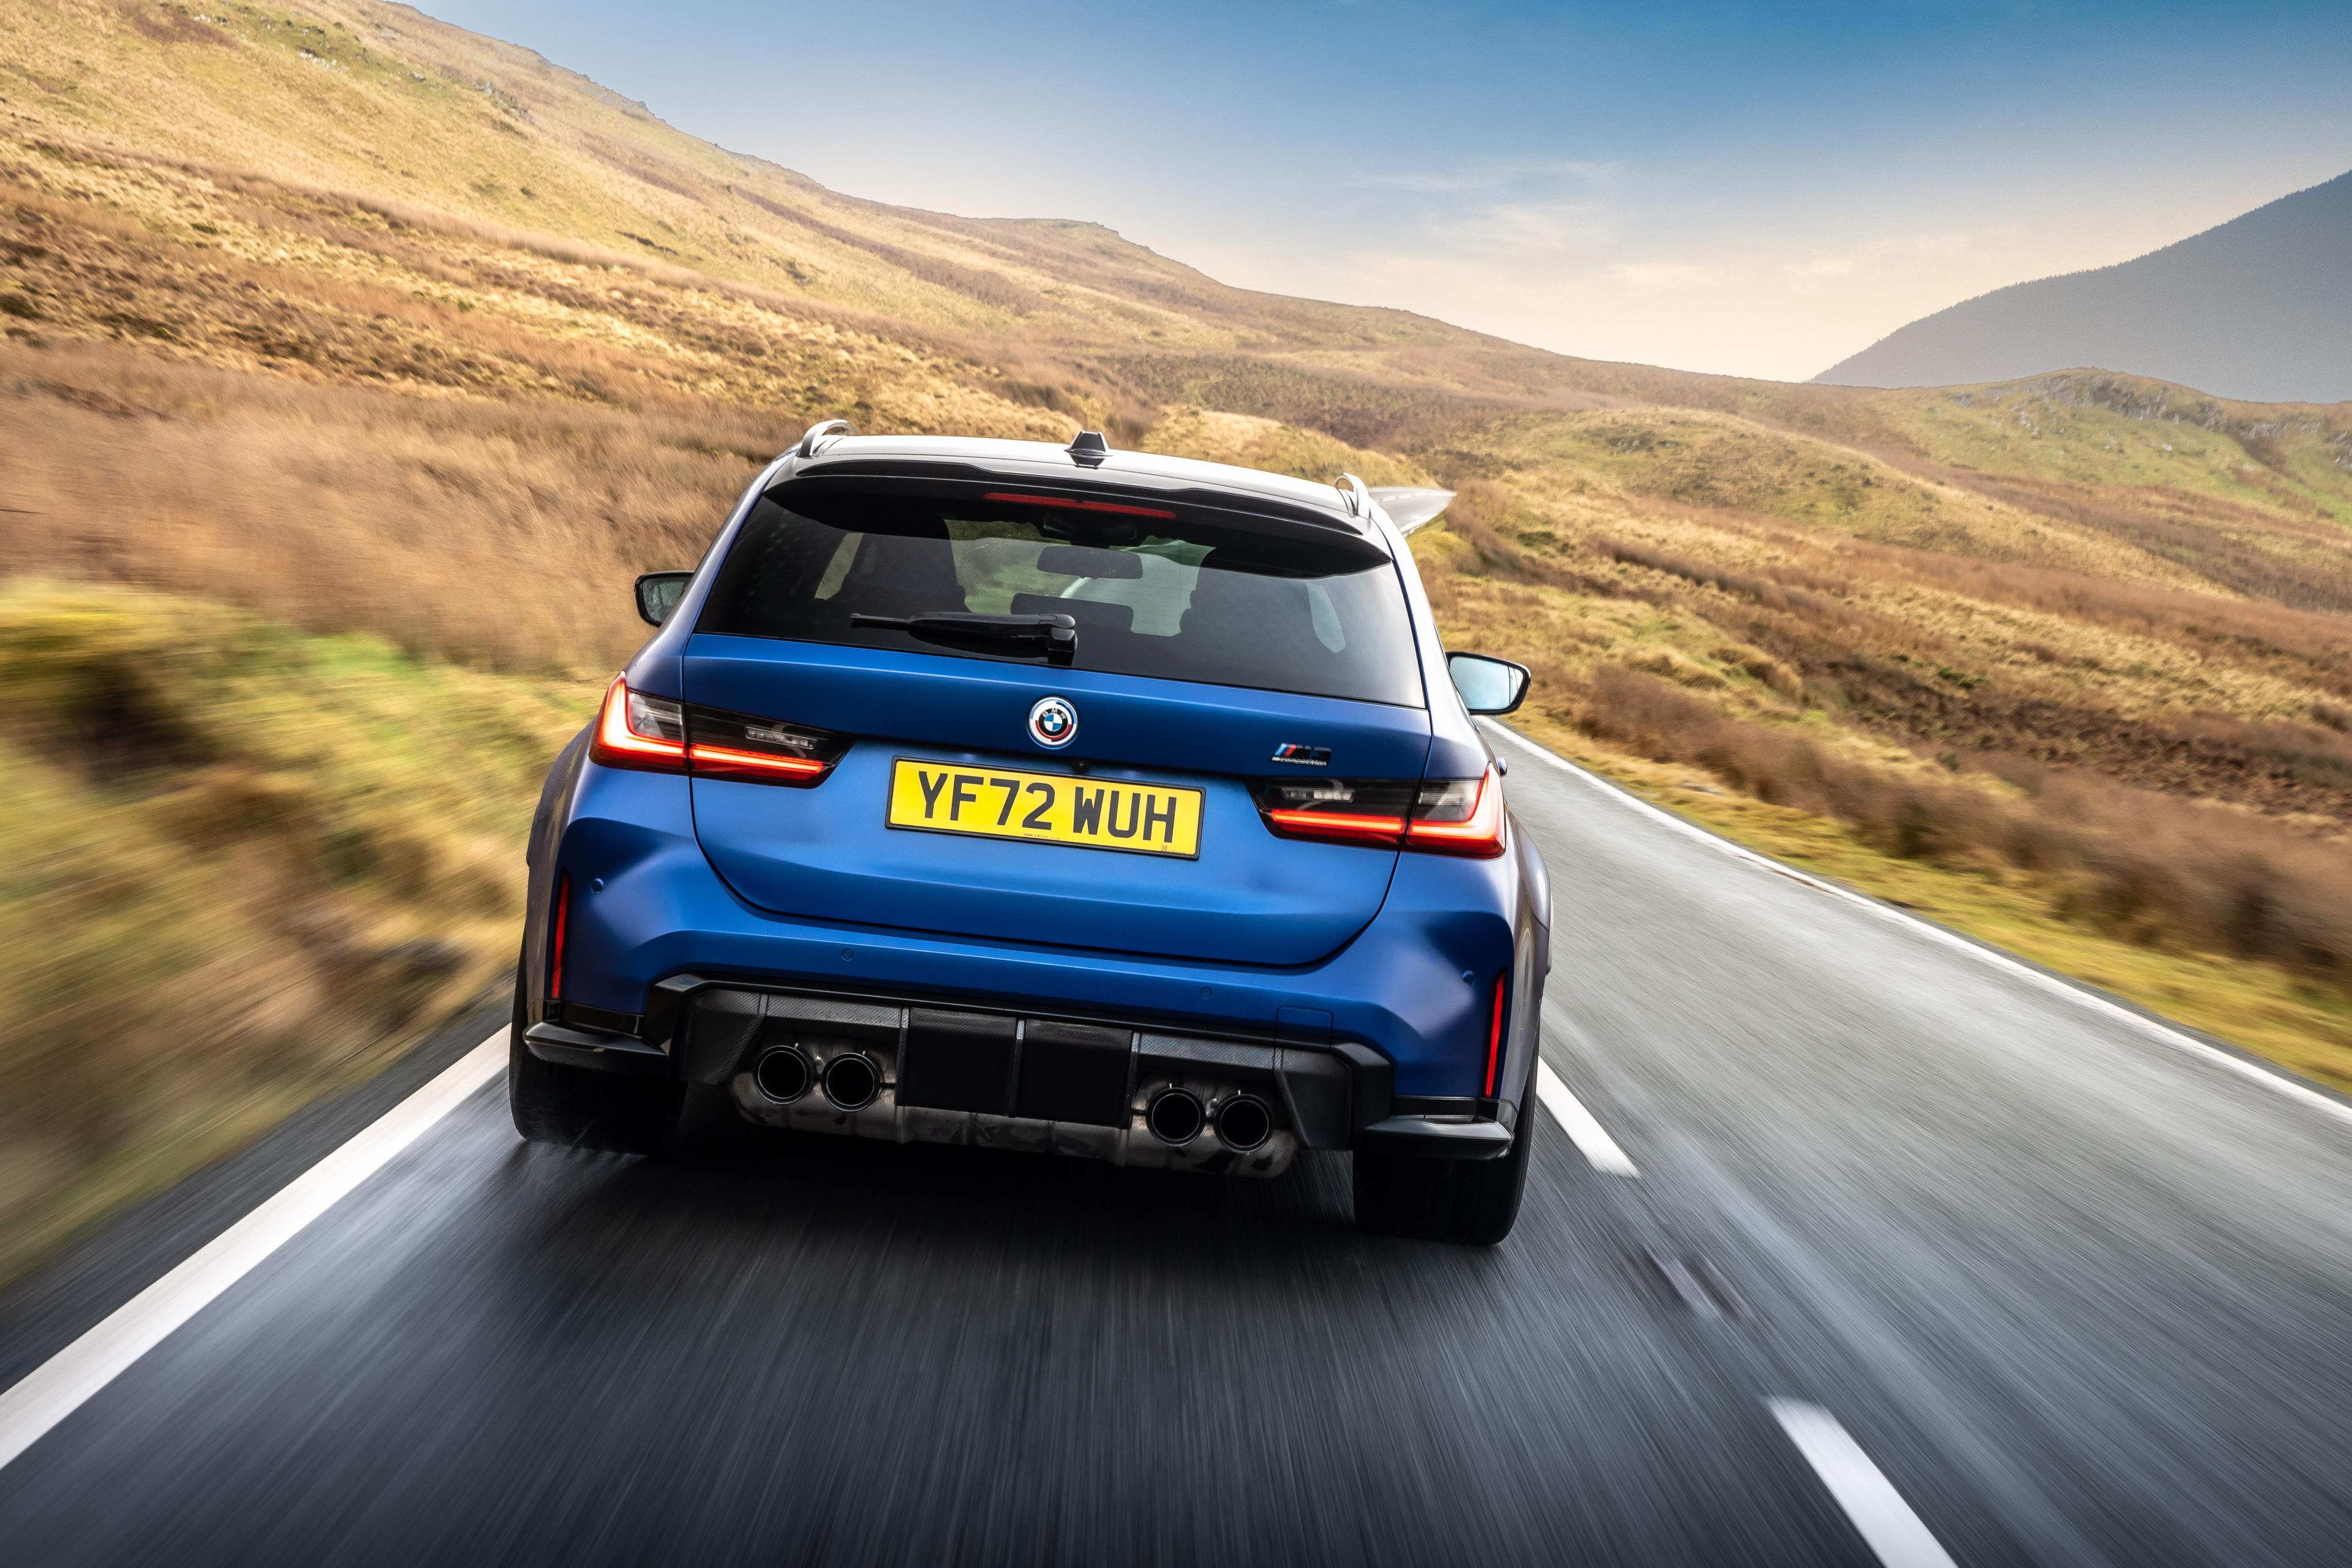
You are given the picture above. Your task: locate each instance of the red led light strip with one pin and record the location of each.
(1075, 505)
(1387, 827)
(727, 756)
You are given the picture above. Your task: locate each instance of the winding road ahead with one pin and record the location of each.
(1845, 1242)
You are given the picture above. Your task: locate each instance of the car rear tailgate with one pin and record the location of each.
(827, 853)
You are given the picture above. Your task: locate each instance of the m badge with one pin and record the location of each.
(1303, 756)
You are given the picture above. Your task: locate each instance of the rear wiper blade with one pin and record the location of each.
(1055, 637)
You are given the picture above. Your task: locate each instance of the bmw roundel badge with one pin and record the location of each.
(1052, 723)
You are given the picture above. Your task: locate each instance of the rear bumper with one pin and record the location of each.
(949, 1072)
(1383, 1044)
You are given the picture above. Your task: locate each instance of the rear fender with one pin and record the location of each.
(1466, 920)
(622, 838)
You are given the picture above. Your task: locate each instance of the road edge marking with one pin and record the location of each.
(2273, 1078)
(1861, 1489)
(63, 1384)
(1587, 1133)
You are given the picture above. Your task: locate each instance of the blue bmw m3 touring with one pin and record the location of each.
(1068, 800)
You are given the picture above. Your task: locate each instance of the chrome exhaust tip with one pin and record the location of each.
(1245, 1122)
(1175, 1117)
(783, 1074)
(852, 1081)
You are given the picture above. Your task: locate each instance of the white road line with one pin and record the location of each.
(1877, 1511)
(58, 1386)
(1588, 1135)
(2266, 1077)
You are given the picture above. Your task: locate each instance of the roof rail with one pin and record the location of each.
(819, 433)
(1352, 491)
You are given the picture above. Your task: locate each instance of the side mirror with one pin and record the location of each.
(1487, 685)
(658, 594)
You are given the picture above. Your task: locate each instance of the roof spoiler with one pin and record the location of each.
(815, 439)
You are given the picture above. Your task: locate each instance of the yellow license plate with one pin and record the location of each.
(1046, 808)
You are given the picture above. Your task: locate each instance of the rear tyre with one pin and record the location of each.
(1474, 1202)
(582, 1108)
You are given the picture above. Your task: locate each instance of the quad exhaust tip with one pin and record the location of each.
(852, 1081)
(1245, 1122)
(783, 1075)
(1175, 1117)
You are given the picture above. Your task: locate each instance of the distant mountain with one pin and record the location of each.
(2259, 308)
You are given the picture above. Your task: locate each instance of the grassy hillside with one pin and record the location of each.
(2095, 701)
(351, 363)
(2254, 306)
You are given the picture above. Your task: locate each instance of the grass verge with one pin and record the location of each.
(238, 867)
(2291, 1020)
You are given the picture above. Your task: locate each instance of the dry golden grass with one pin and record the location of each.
(1255, 443)
(498, 533)
(2168, 767)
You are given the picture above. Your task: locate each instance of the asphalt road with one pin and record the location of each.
(2065, 1291)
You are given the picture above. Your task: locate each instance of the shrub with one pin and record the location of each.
(2132, 861)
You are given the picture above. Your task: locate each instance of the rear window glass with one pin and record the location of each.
(1180, 597)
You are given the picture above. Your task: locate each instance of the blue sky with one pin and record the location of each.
(1759, 189)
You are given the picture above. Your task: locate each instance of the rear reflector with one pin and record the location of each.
(1073, 504)
(1494, 1038)
(555, 947)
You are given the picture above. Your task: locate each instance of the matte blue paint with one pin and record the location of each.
(824, 853)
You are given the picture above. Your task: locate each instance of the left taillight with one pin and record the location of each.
(635, 730)
(654, 733)
(758, 750)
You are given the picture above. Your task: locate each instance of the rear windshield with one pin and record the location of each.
(1177, 595)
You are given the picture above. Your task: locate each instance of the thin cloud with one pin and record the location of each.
(1643, 280)
(1536, 228)
(1817, 274)
(1493, 175)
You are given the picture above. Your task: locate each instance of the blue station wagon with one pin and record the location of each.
(1059, 799)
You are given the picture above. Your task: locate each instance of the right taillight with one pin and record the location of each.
(1369, 812)
(1459, 817)
(635, 730)
(1442, 816)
